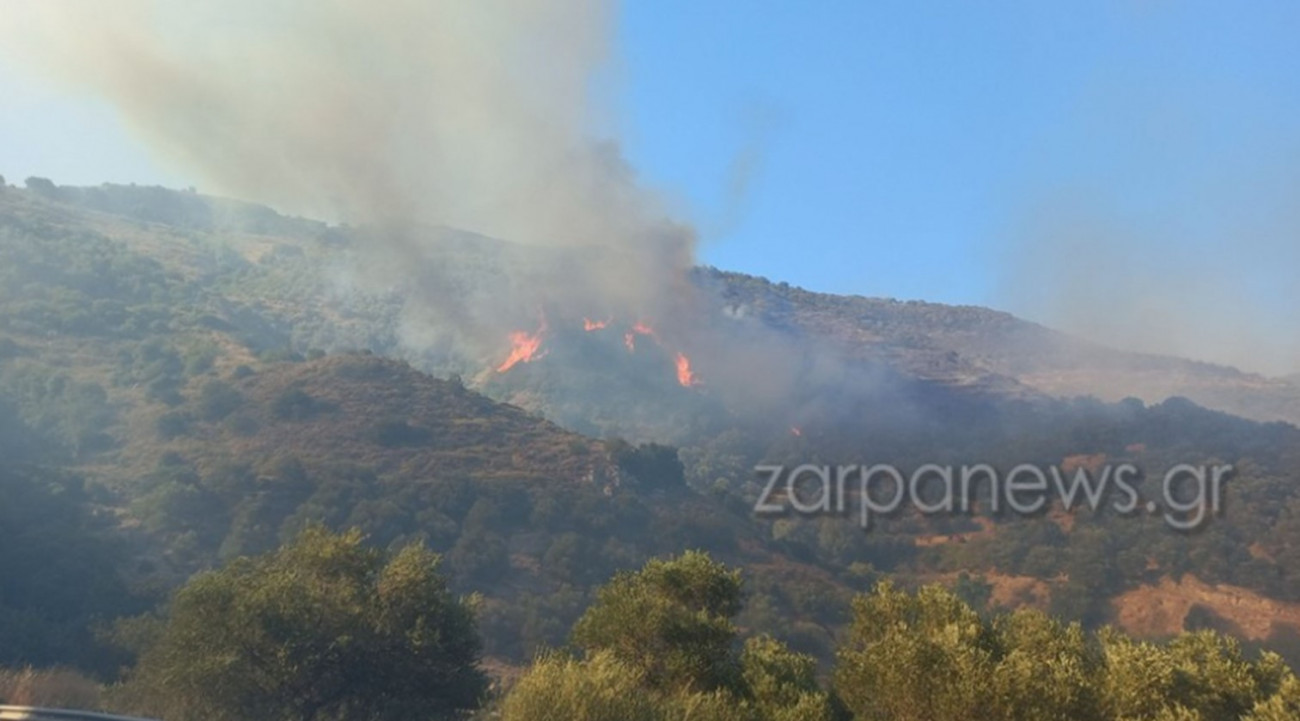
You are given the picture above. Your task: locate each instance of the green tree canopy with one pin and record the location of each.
(323, 629)
(927, 655)
(660, 646)
(671, 621)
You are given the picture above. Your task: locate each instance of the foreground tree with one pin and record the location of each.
(927, 655)
(323, 629)
(566, 689)
(58, 568)
(660, 646)
(671, 621)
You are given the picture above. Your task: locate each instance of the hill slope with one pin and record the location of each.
(173, 349)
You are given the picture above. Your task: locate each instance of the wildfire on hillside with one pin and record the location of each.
(684, 374)
(638, 328)
(525, 347)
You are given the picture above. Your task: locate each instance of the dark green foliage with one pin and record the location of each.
(173, 424)
(324, 629)
(651, 464)
(78, 283)
(659, 645)
(924, 656)
(218, 399)
(58, 571)
(76, 416)
(974, 591)
(397, 432)
(671, 620)
(295, 404)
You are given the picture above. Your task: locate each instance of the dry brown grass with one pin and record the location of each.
(49, 688)
(1161, 609)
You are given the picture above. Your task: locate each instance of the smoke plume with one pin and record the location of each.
(400, 116)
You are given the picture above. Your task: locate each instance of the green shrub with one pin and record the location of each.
(602, 688)
(323, 629)
(217, 400)
(173, 424)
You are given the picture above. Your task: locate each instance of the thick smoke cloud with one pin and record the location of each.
(399, 116)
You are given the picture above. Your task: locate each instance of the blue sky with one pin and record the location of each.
(903, 143)
(934, 151)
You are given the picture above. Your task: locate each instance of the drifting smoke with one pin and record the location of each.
(406, 118)
(1166, 221)
(400, 116)
(1160, 289)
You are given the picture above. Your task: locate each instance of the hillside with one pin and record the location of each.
(220, 375)
(527, 514)
(971, 345)
(273, 287)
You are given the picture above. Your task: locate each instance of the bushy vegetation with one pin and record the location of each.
(660, 644)
(58, 567)
(656, 645)
(323, 629)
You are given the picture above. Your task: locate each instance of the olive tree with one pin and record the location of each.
(323, 629)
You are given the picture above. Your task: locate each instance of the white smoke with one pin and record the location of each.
(395, 114)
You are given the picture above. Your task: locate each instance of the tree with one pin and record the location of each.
(217, 400)
(1045, 669)
(323, 629)
(781, 685)
(58, 569)
(660, 646)
(925, 656)
(42, 186)
(1283, 706)
(599, 689)
(653, 465)
(915, 657)
(671, 621)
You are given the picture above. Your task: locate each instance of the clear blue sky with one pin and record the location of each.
(894, 147)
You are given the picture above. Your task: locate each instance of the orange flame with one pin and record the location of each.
(639, 328)
(589, 325)
(684, 374)
(525, 348)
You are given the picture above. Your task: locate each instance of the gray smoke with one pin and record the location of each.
(1226, 297)
(397, 115)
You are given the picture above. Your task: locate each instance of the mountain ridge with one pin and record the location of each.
(960, 345)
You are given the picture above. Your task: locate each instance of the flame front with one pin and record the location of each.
(639, 328)
(525, 348)
(684, 374)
